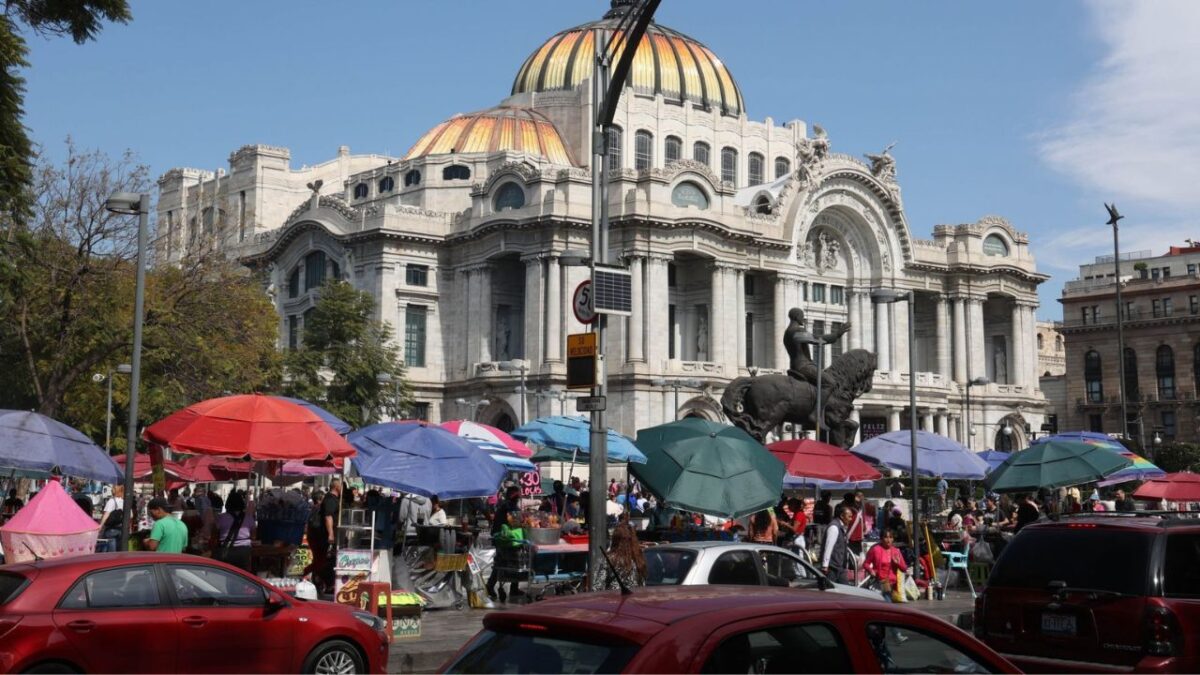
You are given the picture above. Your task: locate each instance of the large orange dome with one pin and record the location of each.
(503, 128)
(666, 62)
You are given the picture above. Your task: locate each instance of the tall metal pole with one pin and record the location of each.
(675, 412)
(108, 418)
(819, 345)
(967, 420)
(522, 394)
(598, 450)
(135, 378)
(1114, 216)
(912, 422)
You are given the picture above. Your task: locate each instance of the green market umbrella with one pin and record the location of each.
(1054, 464)
(702, 466)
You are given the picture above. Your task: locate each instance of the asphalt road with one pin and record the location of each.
(444, 631)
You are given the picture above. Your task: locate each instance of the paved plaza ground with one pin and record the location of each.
(444, 631)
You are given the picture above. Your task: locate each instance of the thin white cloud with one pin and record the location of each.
(1134, 134)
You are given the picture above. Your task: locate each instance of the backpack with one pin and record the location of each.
(114, 520)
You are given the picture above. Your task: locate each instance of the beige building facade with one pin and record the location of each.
(724, 222)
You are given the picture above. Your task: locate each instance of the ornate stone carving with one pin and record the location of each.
(883, 165)
(326, 201)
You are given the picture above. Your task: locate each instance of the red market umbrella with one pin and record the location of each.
(143, 472)
(1173, 487)
(807, 458)
(210, 469)
(251, 426)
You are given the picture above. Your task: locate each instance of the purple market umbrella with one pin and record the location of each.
(332, 420)
(426, 460)
(34, 442)
(994, 458)
(936, 455)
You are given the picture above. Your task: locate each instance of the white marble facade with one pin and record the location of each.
(473, 253)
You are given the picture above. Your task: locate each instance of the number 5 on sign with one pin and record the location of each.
(581, 302)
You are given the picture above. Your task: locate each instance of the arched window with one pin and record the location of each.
(360, 191)
(456, 172)
(1039, 340)
(413, 177)
(294, 282)
(387, 184)
(509, 196)
(614, 148)
(995, 245)
(314, 270)
(701, 152)
(1164, 368)
(643, 150)
(729, 160)
(1092, 377)
(1058, 343)
(782, 167)
(762, 204)
(688, 194)
(1131, 374)
(672, 149)
(754, 168)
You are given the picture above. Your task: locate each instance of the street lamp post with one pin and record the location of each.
(523, 366)
(818, 342)
(977, 382)
(123, 369)
(889, 296)
(1113, 217)
(474, 406)
(132, 203)
(676, 384)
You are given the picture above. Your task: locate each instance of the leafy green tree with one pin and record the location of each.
(66, 308)
(81, 20)
(1175, 457)
(347, 362)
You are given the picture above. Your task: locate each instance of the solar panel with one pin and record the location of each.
(612, 291)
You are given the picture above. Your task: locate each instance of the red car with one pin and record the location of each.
(1118, 592)
(721, 629)
(166, 613)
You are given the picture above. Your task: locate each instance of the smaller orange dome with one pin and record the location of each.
(503, 128)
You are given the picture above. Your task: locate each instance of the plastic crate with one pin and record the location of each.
(575, 538)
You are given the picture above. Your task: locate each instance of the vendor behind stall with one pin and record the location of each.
(169, 534)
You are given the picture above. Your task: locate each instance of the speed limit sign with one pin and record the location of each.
(581, 302)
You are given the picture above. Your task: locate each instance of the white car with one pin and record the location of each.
(738, 563)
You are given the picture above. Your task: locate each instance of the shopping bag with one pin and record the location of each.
(981, 552)
(910, 589)
(898, 588)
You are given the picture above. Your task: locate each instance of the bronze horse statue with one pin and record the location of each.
(759, 404)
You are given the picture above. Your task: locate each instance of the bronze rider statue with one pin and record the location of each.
(800, 363)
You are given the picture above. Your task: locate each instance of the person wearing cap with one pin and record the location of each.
(169, 534)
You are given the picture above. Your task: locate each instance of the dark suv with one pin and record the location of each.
(1097, 593)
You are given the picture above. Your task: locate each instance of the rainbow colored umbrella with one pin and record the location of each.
(1140, 468)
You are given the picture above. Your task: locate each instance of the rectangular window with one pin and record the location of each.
(1096, 423)
(1168, 424)
(416, 275)
(242, 215)
(414, 336)
(1193, 304)
(804, 290)
(419, 411)
(818, 329)
(837, 295)
(293, 331)
(671, 331)
(818, 292)
(1157, 305)
(749, 339)
(671, 275)
(1191, 268)
(643, 150)
(1128, 310)
(1166, 273)
(749, 284)
(1083, 314)
(1155, 273)
(1167, 308)
(1095, 314)
(837, 346)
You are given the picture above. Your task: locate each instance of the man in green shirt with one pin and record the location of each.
(169, 535)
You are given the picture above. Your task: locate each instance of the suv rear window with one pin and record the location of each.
(493, 652)
(11, 586)
(666, 566)
(1102, 559)
(1181, 573)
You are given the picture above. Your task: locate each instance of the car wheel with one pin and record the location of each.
(52, 667)
(336, 657)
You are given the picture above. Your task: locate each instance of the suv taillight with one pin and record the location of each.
(977, 621)
(1161, 630)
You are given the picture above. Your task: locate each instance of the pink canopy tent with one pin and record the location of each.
(51, 525)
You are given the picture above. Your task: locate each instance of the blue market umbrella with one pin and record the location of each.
(571, 434)
(332, 420)
(426, 460)
(33, 442)
(936, 455)
(994, 458)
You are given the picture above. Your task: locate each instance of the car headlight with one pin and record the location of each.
(372, 621)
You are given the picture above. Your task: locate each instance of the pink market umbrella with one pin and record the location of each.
(303, 469)
(489, 434)
(51, 525)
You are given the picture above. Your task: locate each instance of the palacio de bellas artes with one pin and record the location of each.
(724, 222)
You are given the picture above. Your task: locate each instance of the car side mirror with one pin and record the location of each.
(275, 603)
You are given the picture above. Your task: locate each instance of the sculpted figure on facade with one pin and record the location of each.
(883, 165)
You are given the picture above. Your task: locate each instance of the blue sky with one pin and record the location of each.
(1036, 111)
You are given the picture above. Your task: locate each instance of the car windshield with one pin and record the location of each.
(11, 586)
(1096, 559)
(667, 566)
(496, 652)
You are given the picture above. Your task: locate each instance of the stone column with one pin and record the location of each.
(855, 415)
(977, 339)
(960, 340)
(927, 420)
(533, 313)
(779, 321)
(1017, 371)
(554, 308)
(718, 316)
(954, 427)
(942, 341)
(900, 336)
(657, 316)
(883, 348)
(486, 315)
(637, 334)
(474, 322)
(738, 278)
(1031, 346)
(894, 418)
(866, 329)
(941, 423)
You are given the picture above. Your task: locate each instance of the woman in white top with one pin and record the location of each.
(437, 515)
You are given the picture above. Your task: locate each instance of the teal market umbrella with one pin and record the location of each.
(1054, 464)
(705, 467)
